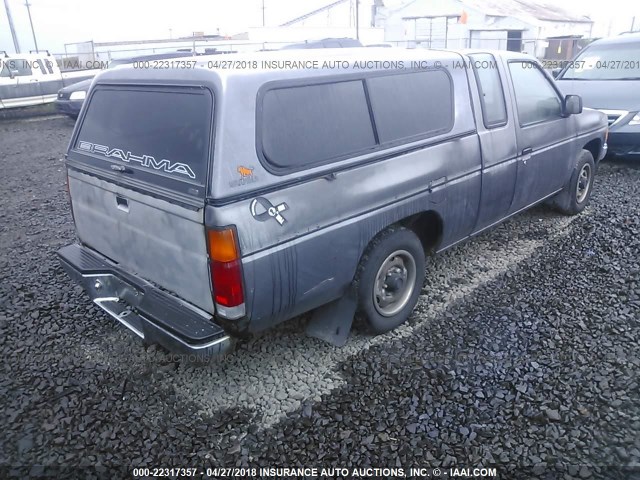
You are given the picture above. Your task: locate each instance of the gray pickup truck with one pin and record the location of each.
(218, 201)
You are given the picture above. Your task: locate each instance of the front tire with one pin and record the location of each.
(391, 275)
(576, 195)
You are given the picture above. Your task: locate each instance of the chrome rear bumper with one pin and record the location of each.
(152, 314)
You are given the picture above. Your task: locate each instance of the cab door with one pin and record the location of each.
(544, 135)
(49, 81)
(497, 140)
(20, 83)
(8, 85)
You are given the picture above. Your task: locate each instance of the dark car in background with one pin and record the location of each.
(606, 75)
(71, 98)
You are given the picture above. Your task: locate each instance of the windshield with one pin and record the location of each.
(606, 62)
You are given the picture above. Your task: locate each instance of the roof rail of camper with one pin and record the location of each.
(39, 51)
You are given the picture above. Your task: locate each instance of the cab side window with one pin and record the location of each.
(536, 99)
(20, 67)
(494, 108)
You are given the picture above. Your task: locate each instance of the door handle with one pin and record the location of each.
(436, 183)
(122, 203)
(526, 154)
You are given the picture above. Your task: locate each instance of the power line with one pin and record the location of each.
(33, 32)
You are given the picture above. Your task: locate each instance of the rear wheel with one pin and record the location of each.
(576, 194)
(390, 278)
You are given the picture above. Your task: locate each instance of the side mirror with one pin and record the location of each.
(572, 105)
(555, 72)
(13, 73)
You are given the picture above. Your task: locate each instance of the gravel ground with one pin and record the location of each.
(523, 351)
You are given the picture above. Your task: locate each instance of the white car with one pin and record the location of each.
(34, 79)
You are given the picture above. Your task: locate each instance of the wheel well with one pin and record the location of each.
(594, 147)
(428, 226)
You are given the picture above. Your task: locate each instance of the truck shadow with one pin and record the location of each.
(272, 373)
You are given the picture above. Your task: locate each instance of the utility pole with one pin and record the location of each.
(263, 24)
(13, 30)
(33, 32)
(357, 19)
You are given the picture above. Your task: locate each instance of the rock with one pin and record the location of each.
(622, 453)
(553, 415)
(585, 472)
(516, 315)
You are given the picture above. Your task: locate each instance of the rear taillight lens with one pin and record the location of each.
(226, 272)
(227, 283)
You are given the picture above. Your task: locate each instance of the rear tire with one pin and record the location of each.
(577, 193)
(390, 278)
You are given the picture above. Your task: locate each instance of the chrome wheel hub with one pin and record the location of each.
(584, 183)
(394, 284)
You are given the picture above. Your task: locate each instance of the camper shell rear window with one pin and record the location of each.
(155, 135)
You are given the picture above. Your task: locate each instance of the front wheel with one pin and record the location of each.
(576, 194)
(390, 278)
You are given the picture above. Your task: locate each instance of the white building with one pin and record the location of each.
(517, 25)
(333, 19)
(320, 19)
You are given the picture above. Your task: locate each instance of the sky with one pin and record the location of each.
(57, 22)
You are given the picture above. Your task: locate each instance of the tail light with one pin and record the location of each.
(226, 272)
